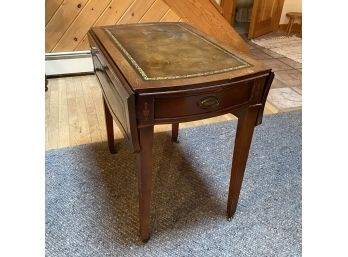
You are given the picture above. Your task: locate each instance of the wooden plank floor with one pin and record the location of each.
(74, 113)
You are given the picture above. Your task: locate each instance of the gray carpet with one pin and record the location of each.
(92, 207)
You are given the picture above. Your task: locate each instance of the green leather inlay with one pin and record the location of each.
(171, 51)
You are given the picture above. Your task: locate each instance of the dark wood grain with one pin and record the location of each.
(190, 102)
(245, 128)
(137, 105)
(144, 166)
(109, 128)
(46, 83)
(175, 132)
(117, 94)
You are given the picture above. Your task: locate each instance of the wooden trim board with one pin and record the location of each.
(296, 28)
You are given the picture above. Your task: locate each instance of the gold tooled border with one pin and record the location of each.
(145, 77)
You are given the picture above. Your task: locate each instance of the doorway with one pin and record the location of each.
(241, 20)
(251, 18)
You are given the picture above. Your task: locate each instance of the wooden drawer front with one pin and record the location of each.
(116, 97)
(197, 103)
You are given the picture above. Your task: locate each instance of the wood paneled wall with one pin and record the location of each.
(68, 21)
(203, 15)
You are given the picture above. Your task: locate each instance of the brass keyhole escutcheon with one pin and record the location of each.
(209, 102)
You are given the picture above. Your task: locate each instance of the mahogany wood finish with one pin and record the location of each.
(175, 132)
(46, 83)
(109, 128)
(144, 166)
(137, 104)
(245, 128)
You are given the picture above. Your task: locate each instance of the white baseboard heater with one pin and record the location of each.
(68, 63)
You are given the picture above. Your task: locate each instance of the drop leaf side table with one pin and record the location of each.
(167, 73)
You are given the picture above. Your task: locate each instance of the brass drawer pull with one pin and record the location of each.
(209, 102)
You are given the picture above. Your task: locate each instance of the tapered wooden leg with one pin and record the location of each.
(144, 167)
(175, 132)
(245, 129)
(290, 25)
(46, 83)
(109, 128)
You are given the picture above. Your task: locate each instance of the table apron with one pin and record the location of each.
(199, 104)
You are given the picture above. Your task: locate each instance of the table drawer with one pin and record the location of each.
(191, 103)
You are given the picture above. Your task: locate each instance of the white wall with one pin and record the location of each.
(290, 6)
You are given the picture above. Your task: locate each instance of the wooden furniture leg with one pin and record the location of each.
(144, 167)
(292, 17)
(109, 128)
(245, 129)
(291, 22)
(175, 132)
(46, 83)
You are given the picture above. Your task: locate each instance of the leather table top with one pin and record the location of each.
(172, 51)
